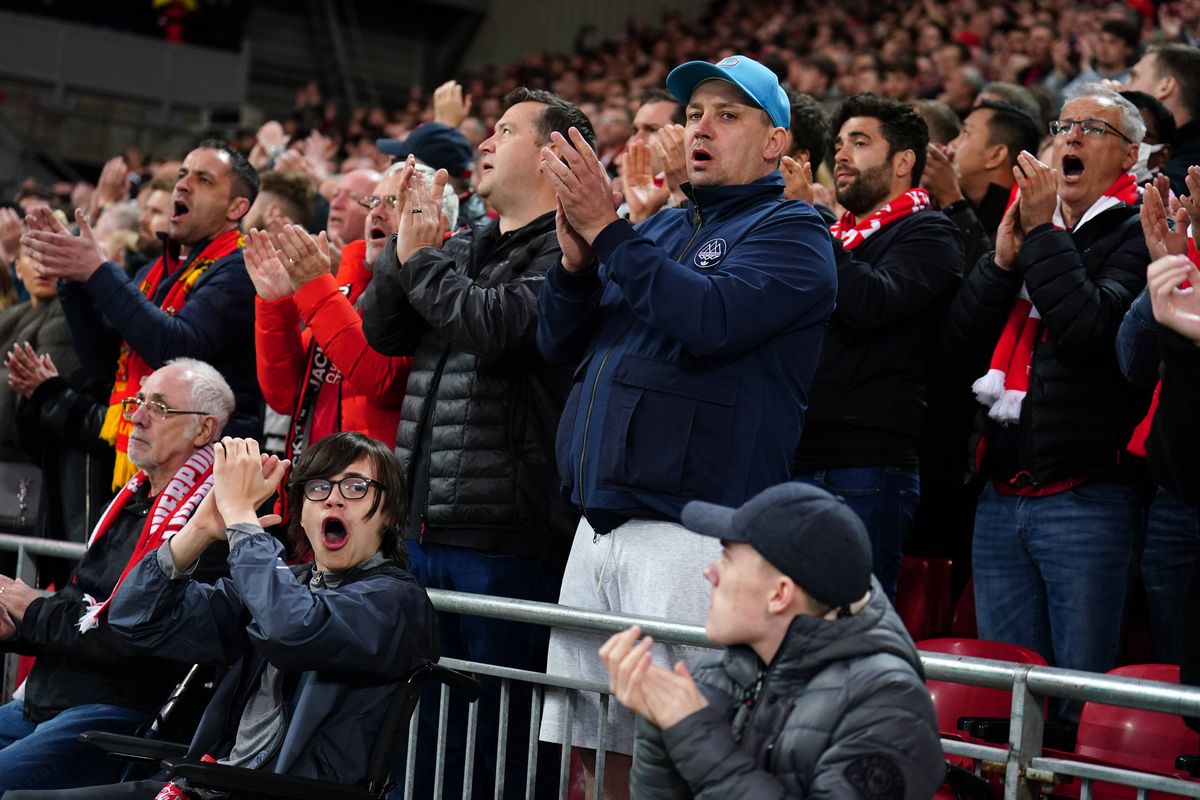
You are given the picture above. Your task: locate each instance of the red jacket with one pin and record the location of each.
(372, 384)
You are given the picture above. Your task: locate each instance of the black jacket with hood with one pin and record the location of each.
(841, 713)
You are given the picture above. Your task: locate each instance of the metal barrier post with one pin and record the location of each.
(1024, 738)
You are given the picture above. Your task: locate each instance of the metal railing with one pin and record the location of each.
(1026, 770)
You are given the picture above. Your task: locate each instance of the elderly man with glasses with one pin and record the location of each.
(86, 677)
(322, 374)
(1059, 515)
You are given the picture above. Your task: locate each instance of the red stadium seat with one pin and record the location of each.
(1135, 739)
(923, 595)
(953, 701)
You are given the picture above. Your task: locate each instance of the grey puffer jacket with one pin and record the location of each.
(477, 424)
(841, 713)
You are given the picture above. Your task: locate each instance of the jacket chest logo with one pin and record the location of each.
(710, 253)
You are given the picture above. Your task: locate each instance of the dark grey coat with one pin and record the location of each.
(841, 713)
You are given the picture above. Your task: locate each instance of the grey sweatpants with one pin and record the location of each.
(645, 568)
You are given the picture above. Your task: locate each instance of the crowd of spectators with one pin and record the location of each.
(993, 186)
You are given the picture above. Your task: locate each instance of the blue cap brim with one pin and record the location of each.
(710, 519)
(684, 79)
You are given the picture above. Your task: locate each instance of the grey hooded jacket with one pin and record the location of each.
(842, 712)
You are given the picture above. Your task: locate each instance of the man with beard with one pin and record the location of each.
(898, 264)
(1059, 514)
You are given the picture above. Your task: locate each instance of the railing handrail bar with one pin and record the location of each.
(1043, 681)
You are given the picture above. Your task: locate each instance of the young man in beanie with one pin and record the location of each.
(820, 694)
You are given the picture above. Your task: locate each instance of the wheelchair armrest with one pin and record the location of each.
(465, 685)
(1189, 763)
(208, 775)
(988, 729)
(133, 748)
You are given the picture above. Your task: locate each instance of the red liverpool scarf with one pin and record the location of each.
(171, 510)
(1003, 388)
(131, 367)
(853, 233)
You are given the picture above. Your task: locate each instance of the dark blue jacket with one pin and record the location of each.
(216, 325)
(344, 648)
(696, 342)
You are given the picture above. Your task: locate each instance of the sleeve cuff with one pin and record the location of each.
(166, 563)
(574, 285)
(611, 237)
(241, 531)
(105, 281)
(310, 294)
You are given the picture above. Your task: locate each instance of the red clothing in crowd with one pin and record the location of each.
(371, 385)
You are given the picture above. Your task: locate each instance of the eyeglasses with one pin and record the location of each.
(157, 411)
(371, 201)
(1090, 127)
(352, 487)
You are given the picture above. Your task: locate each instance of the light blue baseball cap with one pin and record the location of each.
(759, 83)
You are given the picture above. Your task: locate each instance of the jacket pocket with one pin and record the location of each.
(667, 429)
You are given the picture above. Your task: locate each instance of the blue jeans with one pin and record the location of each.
(1051, 572)
(885, 499)
(490, 641)
(47, 756)
(1167, 558)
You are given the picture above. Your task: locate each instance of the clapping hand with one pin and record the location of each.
(645, 197)
(270, 279)
(243, 479)
(1174, 307)
(1161, 240)
(27, 370)
(59, 254)
(421, 221)
(797, 180)
(662, 696)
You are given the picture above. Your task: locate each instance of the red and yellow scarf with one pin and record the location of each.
(131, 367)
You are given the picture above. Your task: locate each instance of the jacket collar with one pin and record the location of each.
(720, 201)
(813, 643)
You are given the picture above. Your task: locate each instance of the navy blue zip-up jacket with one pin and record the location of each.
(696, 342)
(216, 325)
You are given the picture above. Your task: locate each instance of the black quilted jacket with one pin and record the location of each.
(481, 408)
(841, 713)
(1080, 411)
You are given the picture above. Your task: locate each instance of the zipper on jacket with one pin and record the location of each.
(587, 420)
(426, 421)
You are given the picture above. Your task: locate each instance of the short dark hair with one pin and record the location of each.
(1164, 120)
(941, 122)
(657, 94)
(245, 178)
(1012, 127)
(810, 127)
(902, 127)
(1123, 30)
(559, 114)
(333, 454)
(1182, 63)
(295, 189)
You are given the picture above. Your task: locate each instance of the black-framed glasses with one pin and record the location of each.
(352, 487)
(1089, 127)
(371, 201)
(157, 411)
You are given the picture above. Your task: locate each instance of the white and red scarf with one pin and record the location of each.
(854, 232)
(1003, 388)
(171, 510)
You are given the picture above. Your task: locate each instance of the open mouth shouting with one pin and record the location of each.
(179, 210)
(334, 535)
(1071, 168)
(701, 157)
